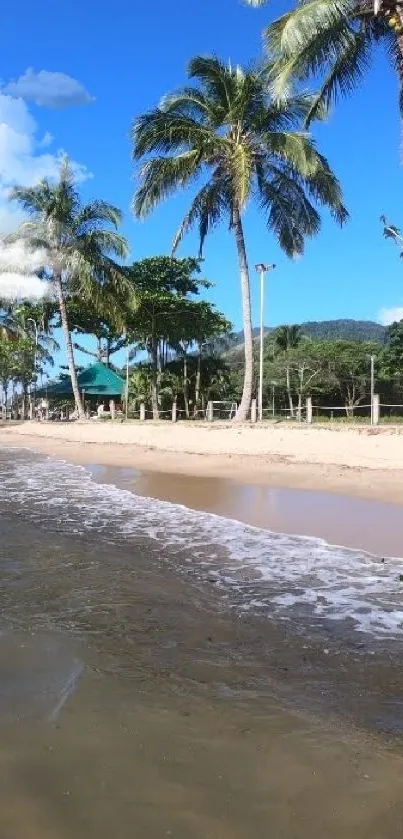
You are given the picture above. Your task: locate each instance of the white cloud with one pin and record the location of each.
(22, 157)
(46, 141)
(17, 278)
(16, 256)
(388, 316)
(49, 90)
(15, 286)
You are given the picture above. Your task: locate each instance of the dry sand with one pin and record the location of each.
(363, 462)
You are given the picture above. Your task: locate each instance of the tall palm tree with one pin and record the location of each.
(80, 241)
(226, 135)
(333, 40)
(288, 337)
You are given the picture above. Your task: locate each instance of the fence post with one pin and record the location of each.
(142, 411)
(309, 409)
(253, 411)
(375, 409)
(210, 411)
(174, 406)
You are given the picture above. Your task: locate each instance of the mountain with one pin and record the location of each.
(348, 330)
(327, 330)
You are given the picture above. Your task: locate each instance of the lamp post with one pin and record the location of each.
(372, 387)
(262, 270)
(127, 375)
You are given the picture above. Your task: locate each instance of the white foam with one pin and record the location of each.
(273, 573)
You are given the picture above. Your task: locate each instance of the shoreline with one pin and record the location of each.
(346, 507)
(322, 460)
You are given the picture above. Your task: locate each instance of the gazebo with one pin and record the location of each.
(96, 382)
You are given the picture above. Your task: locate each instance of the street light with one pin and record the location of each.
(372, 387)
(262, 270)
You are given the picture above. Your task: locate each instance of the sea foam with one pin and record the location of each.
(282, 576)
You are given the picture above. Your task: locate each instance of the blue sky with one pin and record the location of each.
(126, 55)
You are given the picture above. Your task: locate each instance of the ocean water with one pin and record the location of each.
(313, 586)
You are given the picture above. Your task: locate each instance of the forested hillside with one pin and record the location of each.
(329, 330)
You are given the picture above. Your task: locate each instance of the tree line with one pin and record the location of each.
(158, 316)
(233, 136)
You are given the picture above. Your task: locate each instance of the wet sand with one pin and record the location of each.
(373, 526)
(188, 720)
(358, 508)
(353, 462)
(179, 725)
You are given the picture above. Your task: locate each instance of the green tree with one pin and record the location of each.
(209, 325)
(105, 327)
(80, 241)
(392, 355)
(7, 364)
(287, 338)
(163, 316)
(347, 366)
(332, 40)
(301, 370)
(227, 130)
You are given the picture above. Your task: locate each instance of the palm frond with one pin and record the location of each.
(97, 213)
(163, 132)
(291, 112)
(208, 208)
(189, 102)
(296, 148)
(307, 41)
(31, 199)
(161, 176)
(101, 242)
(217, 79)
(290, 215)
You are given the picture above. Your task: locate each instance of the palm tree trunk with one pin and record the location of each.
(244, 407)
(24, 403)
(185, 385)
(69, 347)
(198, 382)
(154, 379)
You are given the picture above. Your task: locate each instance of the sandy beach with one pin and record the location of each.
(361, 462)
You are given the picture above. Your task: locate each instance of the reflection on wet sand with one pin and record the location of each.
(178, 725)
(134, 702)
(357, 523)
(123, 763)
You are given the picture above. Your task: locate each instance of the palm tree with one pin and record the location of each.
(227, 131)
(288, 338)
(79, 240)
(333, 39)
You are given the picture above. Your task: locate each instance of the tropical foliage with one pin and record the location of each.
(333, 41)
(228, 138)
(22, 361)
(80, 242)
(169, 322)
